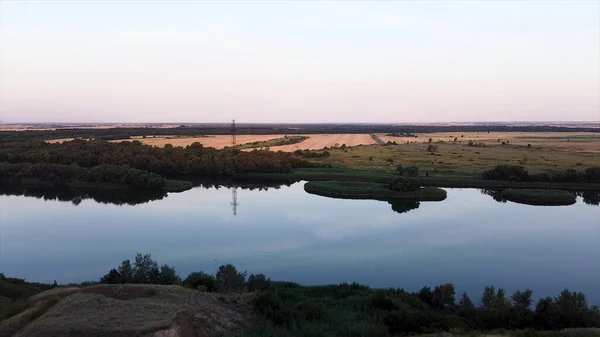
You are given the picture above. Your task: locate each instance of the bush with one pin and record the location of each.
(200, 281)
(507, 172)
(258, 282)
(405, 184)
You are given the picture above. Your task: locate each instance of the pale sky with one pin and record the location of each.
(299, 61)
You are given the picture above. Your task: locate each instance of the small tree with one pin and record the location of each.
(126, 271)
(145, 270)
(113, 277)
(443, 296)
(168, 276)
(258, 282)
(228, 278)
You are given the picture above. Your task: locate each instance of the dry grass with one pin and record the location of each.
(570, 141)
(130, 310)
(457, 158)
(317, 142)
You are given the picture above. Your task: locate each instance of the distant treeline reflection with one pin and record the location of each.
(589, 197)
(125, 197)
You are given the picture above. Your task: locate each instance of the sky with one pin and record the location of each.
(299, 61)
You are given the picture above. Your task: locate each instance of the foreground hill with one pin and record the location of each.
(130, 310)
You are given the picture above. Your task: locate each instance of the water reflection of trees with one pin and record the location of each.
(260, 186)
(404, 206)
(590, 198)
(77, 196)
(495, 194)
(125, 197)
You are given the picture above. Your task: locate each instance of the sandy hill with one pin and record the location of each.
(130, 310)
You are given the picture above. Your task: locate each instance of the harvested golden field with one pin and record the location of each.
(316, 142)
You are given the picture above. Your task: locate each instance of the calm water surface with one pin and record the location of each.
(469, 239)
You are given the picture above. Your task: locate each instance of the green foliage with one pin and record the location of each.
(258, 282)
(130, 164)
(507, 172)
(229, 279)
(200, 280)
(403, 184)
(144, 271)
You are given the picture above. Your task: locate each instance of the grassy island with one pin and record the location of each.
(363, 190)
(540, 197)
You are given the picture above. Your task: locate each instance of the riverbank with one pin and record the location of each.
(344, 174)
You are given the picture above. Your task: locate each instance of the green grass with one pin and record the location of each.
(287, 140)
(540, 197)
(363, 190)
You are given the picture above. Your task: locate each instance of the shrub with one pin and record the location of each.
(432, 148)
(113, 277)
(507, 172)
(200, 281)
(258, 282)
(403, 184)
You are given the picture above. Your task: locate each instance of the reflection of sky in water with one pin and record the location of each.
(468, 239)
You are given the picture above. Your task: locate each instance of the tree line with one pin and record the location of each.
(133, 164)
(520, 173)
(428, 309)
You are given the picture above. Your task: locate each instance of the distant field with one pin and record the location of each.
(549, 152)
(317, 142)
(570, 141)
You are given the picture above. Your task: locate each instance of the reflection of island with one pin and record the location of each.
(404, 206)
(495, 194)
(77, 196)
(590, 198)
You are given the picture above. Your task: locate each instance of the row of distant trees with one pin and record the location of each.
(133, 164)
(145, 270)
(520, 173)
(431, 307)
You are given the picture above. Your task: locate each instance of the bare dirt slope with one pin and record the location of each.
(130, 310)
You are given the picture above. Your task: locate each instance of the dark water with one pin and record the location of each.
(469, 239)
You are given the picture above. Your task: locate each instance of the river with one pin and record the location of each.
(468, 239)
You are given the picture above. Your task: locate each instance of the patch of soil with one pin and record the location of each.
(130, 310)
